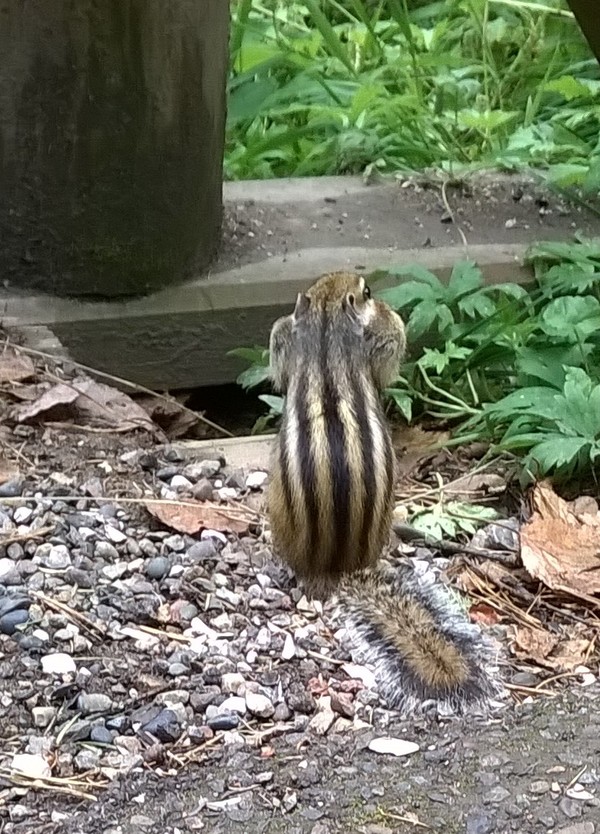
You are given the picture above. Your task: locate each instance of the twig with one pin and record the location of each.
(34, 534)
(410, 534)
(451, 214)
(51, 783)
(133, 385)
(530, 690)
(69, 612)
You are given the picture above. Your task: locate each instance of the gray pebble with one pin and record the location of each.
(175, 543)
(157, 567)
(177, 669)
(479, 822)
(101, 735)
(226, 721)
(200, 551)
(12, 488)
(571, 808)
(203, 490)
(89, 702)
(9, 575)
(166, 473)
(165, 726)
(107, 551)
(10, 621)
(202, 469)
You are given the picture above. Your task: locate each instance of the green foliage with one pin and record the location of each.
(446, 520)
(334, 86)
(518, 369)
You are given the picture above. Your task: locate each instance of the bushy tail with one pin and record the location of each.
(421, 647)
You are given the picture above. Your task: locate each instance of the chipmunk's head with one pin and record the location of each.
(339, 292)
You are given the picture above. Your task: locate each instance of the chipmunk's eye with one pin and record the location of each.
(367, 293)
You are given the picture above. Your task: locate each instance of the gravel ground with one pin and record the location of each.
(154, 681)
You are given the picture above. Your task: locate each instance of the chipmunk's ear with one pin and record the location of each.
(302, 304)
(349, 308)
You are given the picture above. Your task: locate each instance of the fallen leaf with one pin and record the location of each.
(533, 644)
(192, 517)
(15, 367)
(106, 406)
(412, 445)
(548, 650)
(483, 613)
(170, 415)
(570, 654)
(58, 395)
(560, 549)
(94, 402)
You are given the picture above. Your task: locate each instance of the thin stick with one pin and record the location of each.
(34, 534)
(69, 612)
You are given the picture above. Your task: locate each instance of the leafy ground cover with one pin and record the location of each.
(512, 366)
(335, 86)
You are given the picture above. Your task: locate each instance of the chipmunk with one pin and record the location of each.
(331, 499)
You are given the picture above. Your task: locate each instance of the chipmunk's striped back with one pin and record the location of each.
(331, 491)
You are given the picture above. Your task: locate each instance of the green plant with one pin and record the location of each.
(447, 519)
(333, 86)
(517, 367)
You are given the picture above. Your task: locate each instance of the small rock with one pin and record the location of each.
(58, 558)
(114, 534)
(226, 721)
(22, 515)
(497, 794)
(289, 648)
(10, 622)
(539, 787)
(179, 482)
(233, 704)
(12, 488)
(203, 490)
(201, 551)
(115, 571)
(202, 469)
(107, 551)
(32, 765)
(158, 567)
(9, 575)
(578, 828)
(256, 480)
(89, 702)
(42, 716)
(101, 735)
(259, 705)
(165, 726)
(342, 703)
(233, 682)
(87, 759)
(178, 669)
(479, 822)
(393, 746)
(58, 663)
(570, 807)
(182, 611)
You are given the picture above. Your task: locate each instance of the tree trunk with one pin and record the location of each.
(586, 12)
(111, 142)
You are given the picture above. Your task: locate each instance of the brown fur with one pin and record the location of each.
(332, 356)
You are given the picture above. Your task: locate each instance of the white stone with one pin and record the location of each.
(259, 705)
(393, 746)
(58, 663)
(256, 480)
(29, 764)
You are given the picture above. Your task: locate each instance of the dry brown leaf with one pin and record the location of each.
(95, 403)
(58, 395)
(483, 613)
(533, 644)
(169, 414)
(107, 406)
(412, 444)
(192, 517)
(570, 654)
(14, 367)
(560, 549)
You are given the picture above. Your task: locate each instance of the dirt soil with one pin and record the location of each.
(409, 214)
(509, 775)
